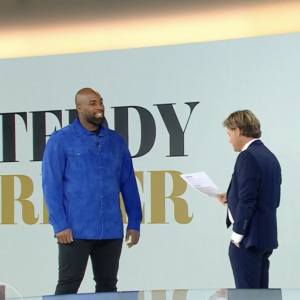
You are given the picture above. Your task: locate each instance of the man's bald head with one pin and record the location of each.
(89, 105)
(83, 94)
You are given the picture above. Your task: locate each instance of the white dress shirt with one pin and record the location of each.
(237, 238)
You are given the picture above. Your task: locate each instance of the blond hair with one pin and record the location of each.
(246, 121)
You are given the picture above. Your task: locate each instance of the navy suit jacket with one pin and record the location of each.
(253, 196)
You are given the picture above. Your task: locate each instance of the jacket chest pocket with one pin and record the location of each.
(78, 159)
(116, 162)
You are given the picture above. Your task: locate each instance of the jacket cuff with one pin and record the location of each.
(236, 238)
(134, 225)
(58, 227)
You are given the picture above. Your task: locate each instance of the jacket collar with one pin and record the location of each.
(80, 130)
(254, 142)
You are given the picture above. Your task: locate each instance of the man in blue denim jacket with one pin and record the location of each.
(84, 169)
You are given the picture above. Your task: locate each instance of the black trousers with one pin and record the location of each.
(73, 258)
(250, 267)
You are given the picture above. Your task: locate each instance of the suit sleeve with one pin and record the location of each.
(248, 177)
(53, 166)
(130, 193)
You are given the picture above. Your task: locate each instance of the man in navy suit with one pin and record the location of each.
(253, 197)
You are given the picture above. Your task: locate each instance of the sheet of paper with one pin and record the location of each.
(202, 183)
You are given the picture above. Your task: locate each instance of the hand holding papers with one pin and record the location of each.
(202, 183)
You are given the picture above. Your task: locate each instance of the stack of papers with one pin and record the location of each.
(202, 183)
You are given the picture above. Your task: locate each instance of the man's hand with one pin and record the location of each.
(223, 293)
(65, 237)
(222, 199)
(237, 245)
(134, 237)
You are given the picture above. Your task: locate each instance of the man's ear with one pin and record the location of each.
(238, 132)
(79, 109)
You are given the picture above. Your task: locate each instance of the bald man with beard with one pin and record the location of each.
(85, 167)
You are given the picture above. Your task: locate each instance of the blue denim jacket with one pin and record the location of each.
(82, 177)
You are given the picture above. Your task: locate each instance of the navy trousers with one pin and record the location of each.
(250, 266)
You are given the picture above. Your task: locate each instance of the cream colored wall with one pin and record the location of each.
(123, 27)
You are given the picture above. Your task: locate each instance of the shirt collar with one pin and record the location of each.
(79, 129)
(248, 144)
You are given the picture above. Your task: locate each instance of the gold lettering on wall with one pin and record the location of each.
(158, 205)
(141, 296)
(159, 295)
(157, 199)
(140, 176)
(180, 294)
(162, 295)
(8, 199)
(45, 213)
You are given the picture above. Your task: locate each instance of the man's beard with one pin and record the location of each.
(95, 121)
